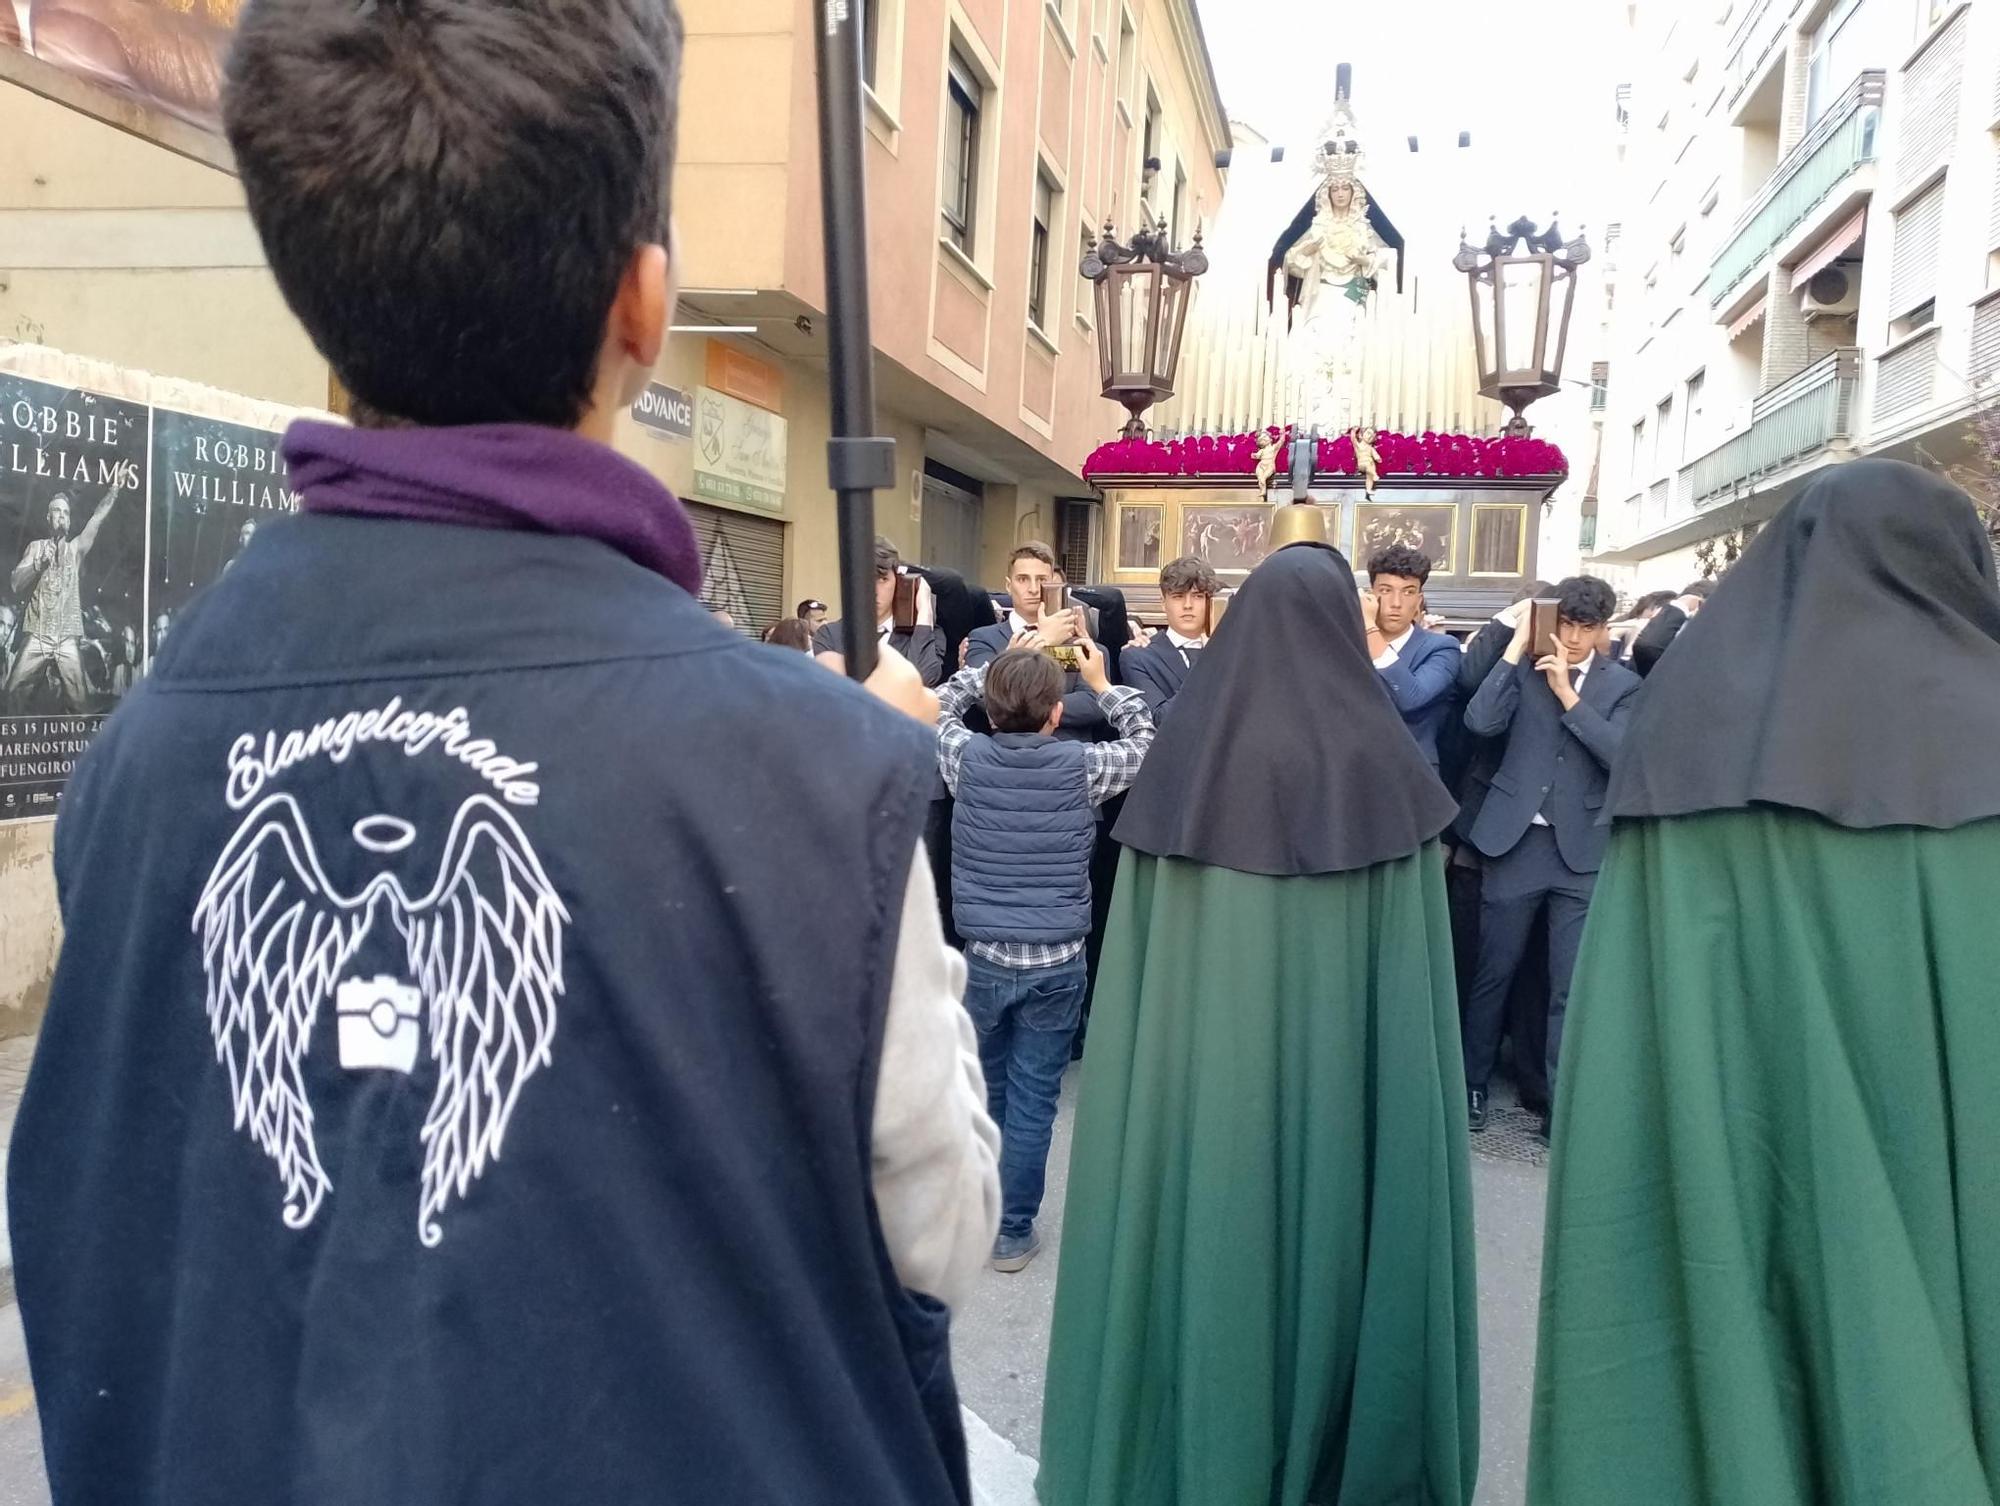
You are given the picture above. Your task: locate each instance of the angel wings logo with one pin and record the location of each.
(483, 951)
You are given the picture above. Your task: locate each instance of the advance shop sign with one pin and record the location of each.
(739, 452)
(666, 411)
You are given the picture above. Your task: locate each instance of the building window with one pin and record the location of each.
(871, 40)
(1149, 155)
(1836, 57)
(1929, 13)
(1179, 221)
(1086, 291)
(1923, 316)
(1128, 53)
(1914, 254)
(961, 140)
(1600, 385)
(1663, 422)
(1639, 449)
(1691, 413)
(1038, 251)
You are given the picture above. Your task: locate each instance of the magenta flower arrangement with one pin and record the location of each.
(1456, 457)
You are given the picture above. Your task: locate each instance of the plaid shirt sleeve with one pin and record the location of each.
(958, 696)
(1114, 766)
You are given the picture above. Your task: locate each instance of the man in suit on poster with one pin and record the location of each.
(1563, 717)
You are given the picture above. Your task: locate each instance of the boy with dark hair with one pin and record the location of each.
(922, 646)
(1625, 632)
(1022, 837)
(1031, 571)
(454, 1059)
(1563, 718)
(1160, 669)
(1668, 624)
(1419, 667)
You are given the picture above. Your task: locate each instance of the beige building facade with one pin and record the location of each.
(1000, 133)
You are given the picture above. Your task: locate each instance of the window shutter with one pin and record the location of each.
(1904, 378)
(742, 566)
(1928, 110)
(1993, 230)
(1914, 252)
(1986, 342)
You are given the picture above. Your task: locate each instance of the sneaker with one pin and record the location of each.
(1012, 1253)
(1475, 1111)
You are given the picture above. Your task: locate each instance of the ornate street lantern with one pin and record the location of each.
(1142, 305)
(1523, 284)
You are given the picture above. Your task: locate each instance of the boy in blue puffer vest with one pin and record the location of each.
(1022, 837)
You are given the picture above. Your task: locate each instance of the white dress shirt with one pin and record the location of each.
(1184, 645)
(1582, 673)
(1394, 652)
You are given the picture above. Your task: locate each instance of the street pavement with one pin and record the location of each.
(1001, 1340)
(22, 1482)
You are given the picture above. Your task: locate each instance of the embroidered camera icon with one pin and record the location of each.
(378, 1023)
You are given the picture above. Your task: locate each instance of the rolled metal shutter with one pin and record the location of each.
(1905, 377)
(1993, 229)
(1913, 258)
(1928, 109)
(1986, 342)
(742, 566)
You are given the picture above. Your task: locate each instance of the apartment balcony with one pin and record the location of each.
(1755, 43)
(1793, 429)
(1814, 181)
(1793, 422)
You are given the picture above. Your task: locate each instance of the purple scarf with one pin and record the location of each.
(496, 476)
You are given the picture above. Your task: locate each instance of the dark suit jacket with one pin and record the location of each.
(1487, 648)
(1157, 672)
(922, 646)
(962, 609)
(1561, 759)
(1424, 684)
(1471, 762)
(1083, 720)
(1657, 637)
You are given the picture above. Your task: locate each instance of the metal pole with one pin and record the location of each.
(859, 462)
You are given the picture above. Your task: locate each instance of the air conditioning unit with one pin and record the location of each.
(1833, 293)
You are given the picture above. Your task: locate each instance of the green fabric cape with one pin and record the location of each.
(1267, 1290)
(1772, 1274)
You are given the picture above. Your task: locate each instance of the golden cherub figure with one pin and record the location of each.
(1267, 460)
(1367, 459)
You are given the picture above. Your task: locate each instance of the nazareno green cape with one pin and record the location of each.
(1772, 1273)
(1267, 1289)
(1267, 1295)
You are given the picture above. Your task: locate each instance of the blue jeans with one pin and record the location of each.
(1027, 1020)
